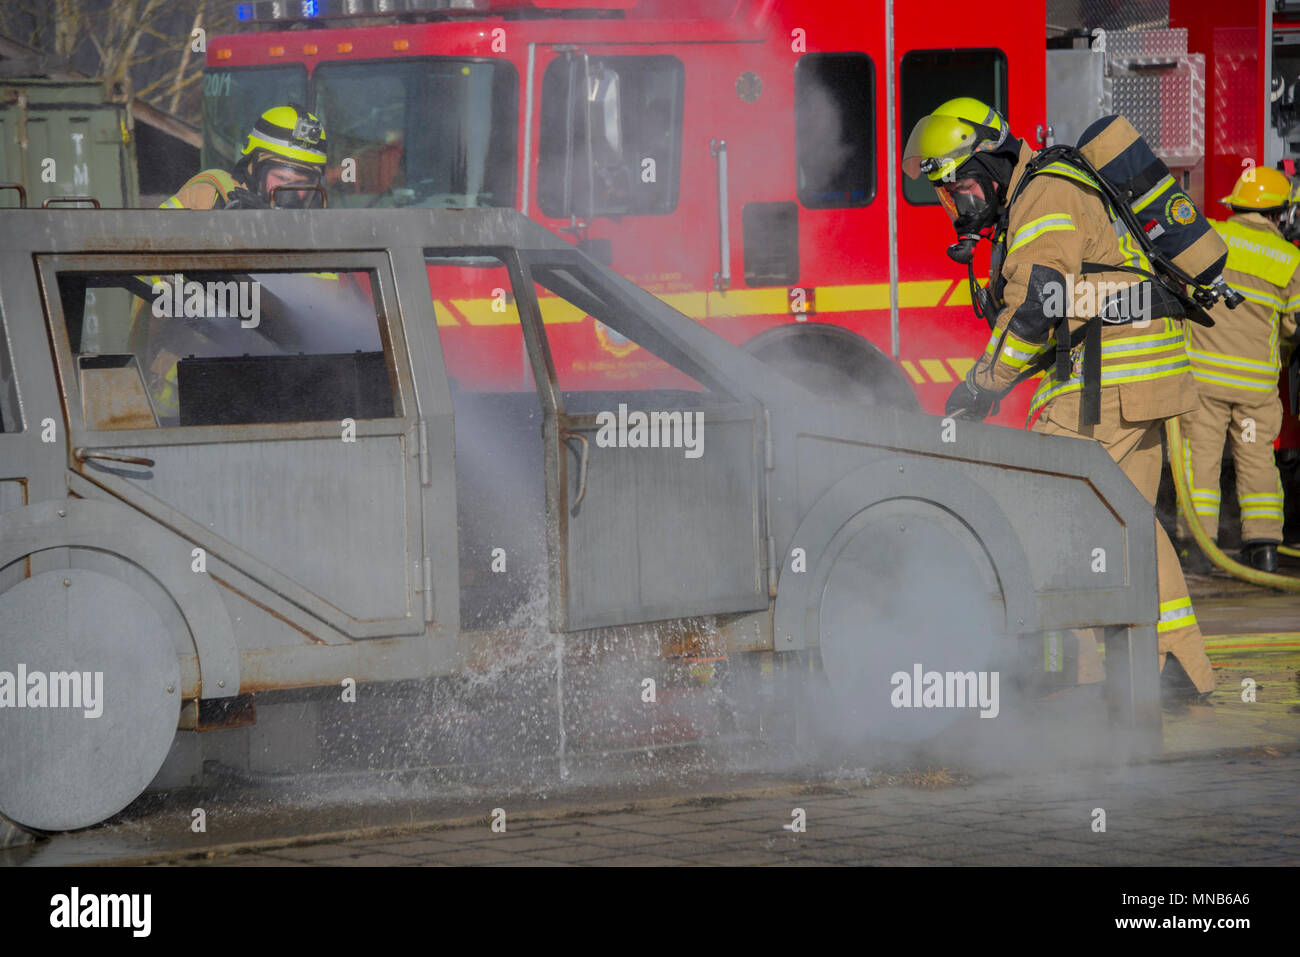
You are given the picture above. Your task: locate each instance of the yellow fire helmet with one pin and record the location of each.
(1262, 189)
(290, 134)
(950, 135)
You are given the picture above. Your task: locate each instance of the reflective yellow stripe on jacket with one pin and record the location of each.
(1233, 371)
(1038, 227)
(1017, 353)
(1139, 357)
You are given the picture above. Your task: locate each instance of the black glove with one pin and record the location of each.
(969, 401)
(241, 198)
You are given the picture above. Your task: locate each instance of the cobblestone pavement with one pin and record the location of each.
(1239, 809)
(1225, 793)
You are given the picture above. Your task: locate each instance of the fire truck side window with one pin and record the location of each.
(611, 136)
(834, 121)
(928, 78)
(226, 348)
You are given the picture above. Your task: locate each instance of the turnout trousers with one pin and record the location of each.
(1137, 449)
(1250, 425)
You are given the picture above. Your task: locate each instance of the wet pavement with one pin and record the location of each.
(1224, 793)
(1236, 809)
(1239, 810)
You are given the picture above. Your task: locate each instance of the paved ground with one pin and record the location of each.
(1227, 792)
(1241, 809)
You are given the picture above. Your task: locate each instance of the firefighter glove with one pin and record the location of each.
(241, 198)
(969, 401)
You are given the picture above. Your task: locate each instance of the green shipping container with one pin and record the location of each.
(66, 138)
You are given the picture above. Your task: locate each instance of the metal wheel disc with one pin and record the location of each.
(98, 678)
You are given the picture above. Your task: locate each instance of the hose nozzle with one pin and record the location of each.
(1218, 289)
(1231, 298)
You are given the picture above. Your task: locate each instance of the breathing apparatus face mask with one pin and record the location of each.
(271, 173)
(971, 202)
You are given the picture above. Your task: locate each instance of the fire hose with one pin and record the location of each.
(1178, 465)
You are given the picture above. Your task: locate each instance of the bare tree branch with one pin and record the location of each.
(185, 61)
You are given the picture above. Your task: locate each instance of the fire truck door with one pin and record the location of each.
(653, 493)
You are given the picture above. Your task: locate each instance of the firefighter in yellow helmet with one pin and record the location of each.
(1044, 229)
(286, 147)
(1236, 364)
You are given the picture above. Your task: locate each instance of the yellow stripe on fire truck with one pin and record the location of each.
(862, 297)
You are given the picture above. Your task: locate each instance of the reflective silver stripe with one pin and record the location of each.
(1249, 385)
(1044, 224)
(1175, 618)
(1232, 362)
(1263, 298)
(1146, 198)
(1139, 347)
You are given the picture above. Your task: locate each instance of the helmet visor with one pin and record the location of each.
(939, 144)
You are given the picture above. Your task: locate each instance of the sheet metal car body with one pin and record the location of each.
(253, 451)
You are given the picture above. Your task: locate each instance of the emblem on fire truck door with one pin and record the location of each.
(749, 87)
(612, 341)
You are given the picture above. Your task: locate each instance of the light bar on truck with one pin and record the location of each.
(271, 11)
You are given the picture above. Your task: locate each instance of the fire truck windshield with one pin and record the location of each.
(419, 132)
(234, 99)
(429, 131)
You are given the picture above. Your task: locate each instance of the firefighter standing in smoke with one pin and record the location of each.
(1057, 223)
(1236, 363)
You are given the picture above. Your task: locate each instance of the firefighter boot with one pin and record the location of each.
(1190, 556)
(1260, 555)
(1177, 690)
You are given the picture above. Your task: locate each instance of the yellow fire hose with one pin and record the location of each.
(1212, 552)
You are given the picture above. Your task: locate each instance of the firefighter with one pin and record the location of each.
(1236, 364)
(286, 147)
(1044, 231)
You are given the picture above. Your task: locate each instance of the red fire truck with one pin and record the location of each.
(739, 158)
